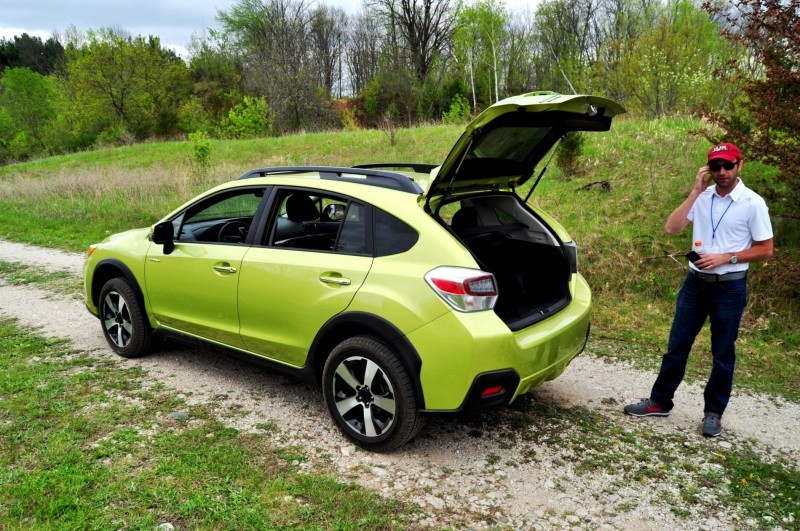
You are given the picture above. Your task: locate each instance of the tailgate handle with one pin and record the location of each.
(335, 280)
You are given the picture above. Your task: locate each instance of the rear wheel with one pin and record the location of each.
(124, 322)
(370, 394)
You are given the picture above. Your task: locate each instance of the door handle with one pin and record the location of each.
(335, 280)
(225, 269)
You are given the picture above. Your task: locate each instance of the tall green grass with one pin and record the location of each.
(634, 268)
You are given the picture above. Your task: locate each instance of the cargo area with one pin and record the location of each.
(532, 267)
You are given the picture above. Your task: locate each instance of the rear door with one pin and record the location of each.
(316, 253)
(502, 146)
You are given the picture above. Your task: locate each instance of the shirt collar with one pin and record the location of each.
(735, 194)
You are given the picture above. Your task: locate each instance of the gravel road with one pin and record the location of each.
(457, 478)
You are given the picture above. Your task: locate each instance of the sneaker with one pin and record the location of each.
(712, 425)
(646, 408)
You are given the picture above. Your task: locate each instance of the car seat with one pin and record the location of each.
(300, 208)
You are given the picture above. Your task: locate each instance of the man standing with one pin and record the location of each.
(733, 223)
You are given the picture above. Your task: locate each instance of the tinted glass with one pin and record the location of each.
(512, 143)
(352, 239)
(392, 236)
(312, 221)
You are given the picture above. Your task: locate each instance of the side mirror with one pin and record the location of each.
(162, 234)
(334, 212)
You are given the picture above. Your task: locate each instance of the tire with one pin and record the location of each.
(370, 394)
(124, 323)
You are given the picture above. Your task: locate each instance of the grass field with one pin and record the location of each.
(634, 268)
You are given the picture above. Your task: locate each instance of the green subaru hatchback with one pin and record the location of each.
(402, 290)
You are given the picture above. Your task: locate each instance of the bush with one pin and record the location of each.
(459, 112)
(201, 152)
(569, 151)
(249, 119)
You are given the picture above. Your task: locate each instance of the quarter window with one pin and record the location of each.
(392, 236)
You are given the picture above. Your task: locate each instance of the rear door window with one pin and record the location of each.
(317, 221)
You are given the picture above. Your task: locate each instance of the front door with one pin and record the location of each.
(194, 289)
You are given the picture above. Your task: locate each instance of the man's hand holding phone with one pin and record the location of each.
(693, 256)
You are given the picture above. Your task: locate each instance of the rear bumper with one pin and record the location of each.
(464, 355)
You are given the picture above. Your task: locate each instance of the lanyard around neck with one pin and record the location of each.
(715, 227)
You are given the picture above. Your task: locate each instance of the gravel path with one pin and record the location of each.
(457, 478)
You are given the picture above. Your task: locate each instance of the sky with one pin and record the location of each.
(173, 21)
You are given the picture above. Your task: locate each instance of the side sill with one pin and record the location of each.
(304, 374)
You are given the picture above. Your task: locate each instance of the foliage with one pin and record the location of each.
(667, 69)
(25, 51)
(654, 57)
(421, 31)
(350, 119)
(26, 112)
(201, 152)
(479, 32)
(248, 119)
(459, 112)
(273, 39)
(569, 152)
(117, 80)
(765, 123)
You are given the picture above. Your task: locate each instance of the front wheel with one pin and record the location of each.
(124, 323)
(370, 394)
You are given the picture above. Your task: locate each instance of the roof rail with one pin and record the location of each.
(383, 179)
(418, 167)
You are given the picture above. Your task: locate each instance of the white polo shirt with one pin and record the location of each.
(729, 224)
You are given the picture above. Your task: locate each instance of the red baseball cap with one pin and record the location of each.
(725, 151)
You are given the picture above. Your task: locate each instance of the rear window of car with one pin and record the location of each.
(392, 236)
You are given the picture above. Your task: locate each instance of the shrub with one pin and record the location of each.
(459, 111)
(201, 152)
(248, 119)
(569, 151)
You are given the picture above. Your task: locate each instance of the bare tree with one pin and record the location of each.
(273, 37)
(363, 50)
(424, 25)
(328, 36)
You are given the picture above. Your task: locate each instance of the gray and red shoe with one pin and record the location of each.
(646, 408)
(712, 425)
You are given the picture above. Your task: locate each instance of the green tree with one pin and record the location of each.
(119, 81)
(274, 42)
(30, 52)
(667, 69)
(480, 31)
(248, 119)
(215, 72)
(26, 112)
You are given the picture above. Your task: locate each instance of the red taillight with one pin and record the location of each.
(466, 290)
(494, 390)
(450, 286)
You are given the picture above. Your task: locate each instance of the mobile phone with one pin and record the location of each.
(692, 256)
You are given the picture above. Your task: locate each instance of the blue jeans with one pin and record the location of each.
(723, 303)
